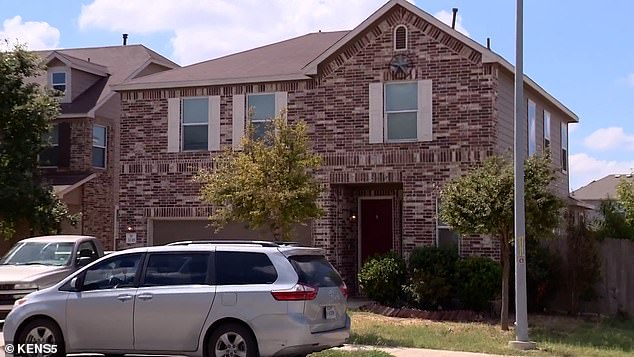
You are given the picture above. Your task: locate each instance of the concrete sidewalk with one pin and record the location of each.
(414, 352)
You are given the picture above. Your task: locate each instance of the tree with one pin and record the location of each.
(482, 202)
(26, 111)
(625, 196)
(269, 183)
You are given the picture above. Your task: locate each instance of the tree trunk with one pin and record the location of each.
(504, 314)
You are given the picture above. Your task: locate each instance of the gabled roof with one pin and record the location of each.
(115, 63)
(601, 189)
(279, 61)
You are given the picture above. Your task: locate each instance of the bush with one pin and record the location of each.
(543, 267)
(381, 278)
(432, 273)
(478, 281)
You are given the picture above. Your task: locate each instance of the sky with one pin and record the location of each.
(581, 52)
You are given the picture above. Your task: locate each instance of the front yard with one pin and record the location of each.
(555, 336)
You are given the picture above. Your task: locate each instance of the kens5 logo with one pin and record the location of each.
(31, 348)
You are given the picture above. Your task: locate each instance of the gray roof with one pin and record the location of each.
(601, 189)
(283, 59)
(116, 63)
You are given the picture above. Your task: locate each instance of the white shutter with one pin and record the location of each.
(281, 100)
(213, 127)
(424, 124)
(238, 120)
(173, 124)
(376, 113)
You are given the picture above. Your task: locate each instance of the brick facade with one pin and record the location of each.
(335, 105)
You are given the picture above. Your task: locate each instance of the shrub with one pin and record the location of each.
(381, 278)
(478, 281)
(432, 273)
(543, 267)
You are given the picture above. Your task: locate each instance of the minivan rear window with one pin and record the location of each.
(315, 270)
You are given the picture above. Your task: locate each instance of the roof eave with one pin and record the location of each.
(209, 82)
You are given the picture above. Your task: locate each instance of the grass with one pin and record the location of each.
(555, 336)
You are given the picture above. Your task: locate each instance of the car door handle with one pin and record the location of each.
(124, 297)
(145, 296)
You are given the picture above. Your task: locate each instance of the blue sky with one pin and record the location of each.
(579, 51)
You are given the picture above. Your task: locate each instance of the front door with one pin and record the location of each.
(376, 227)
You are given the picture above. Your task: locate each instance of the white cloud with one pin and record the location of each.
(609, 138)
(447, 16)
(34, 34)
(201, 30)
(585, 168)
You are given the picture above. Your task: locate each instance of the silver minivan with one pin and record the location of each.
(207, 299)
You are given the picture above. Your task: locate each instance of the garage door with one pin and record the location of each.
(168, 231)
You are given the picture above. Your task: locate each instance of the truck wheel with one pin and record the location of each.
(43, 333)
(232, 340)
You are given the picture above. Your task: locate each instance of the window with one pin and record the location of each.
(401, 111)
(532, 130)
(546, 130)
(240, 268)
(118, 272)
(564, 147)
(315, 270)
(50, 155)
(99, 144)
(261, 110)
(195, 121)
(176, 269)
(400, 38)
(446, 237)
(58, 81)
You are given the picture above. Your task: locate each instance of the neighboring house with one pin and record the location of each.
(396, 107)
(82, 162)
(600, 190)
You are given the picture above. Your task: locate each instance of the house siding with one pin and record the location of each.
(80, 82)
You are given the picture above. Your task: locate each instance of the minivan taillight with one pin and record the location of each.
(344, 290)
(296, 293)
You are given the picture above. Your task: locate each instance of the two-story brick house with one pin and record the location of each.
(396, 107)
(82, 163)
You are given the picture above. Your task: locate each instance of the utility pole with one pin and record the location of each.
(521, 315)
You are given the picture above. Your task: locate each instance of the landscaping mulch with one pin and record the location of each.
(439, 315)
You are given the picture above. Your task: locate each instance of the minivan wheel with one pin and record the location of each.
(44, 333)
(232, 340)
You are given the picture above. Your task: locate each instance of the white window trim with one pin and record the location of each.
(386, 112)
(52, 146)
(104, 147)
(547, 134)
(564, 168)
(406, 38)
(67, 97)
(183, 124)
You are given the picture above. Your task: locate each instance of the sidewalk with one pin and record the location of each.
(414, 352)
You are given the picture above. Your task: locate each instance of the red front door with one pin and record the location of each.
(376, 227)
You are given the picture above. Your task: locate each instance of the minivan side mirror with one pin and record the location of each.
(73, 283)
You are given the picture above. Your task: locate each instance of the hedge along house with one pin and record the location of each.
(396, 107)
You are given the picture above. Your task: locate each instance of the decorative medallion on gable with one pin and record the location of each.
(401, 66)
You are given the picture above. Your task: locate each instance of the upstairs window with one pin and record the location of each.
(195, 121)
(58, 81)
(50, 155)
(400, 38)
(546, 130)
(401, 111)
(262, 111)
(99, 145)
(564, 147)
(532, 130)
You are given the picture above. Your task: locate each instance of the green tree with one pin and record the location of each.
(625, 196)
(26, 111)
(482, 202)
(269, 183)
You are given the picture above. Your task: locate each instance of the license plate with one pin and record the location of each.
(331, 313)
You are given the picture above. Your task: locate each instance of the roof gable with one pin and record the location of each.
(76, 63)
(601, 189)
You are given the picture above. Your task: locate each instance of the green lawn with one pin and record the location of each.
(555, 336)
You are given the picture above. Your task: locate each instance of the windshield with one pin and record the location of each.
(39, 253)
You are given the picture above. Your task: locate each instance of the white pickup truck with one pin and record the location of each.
(38, 262)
